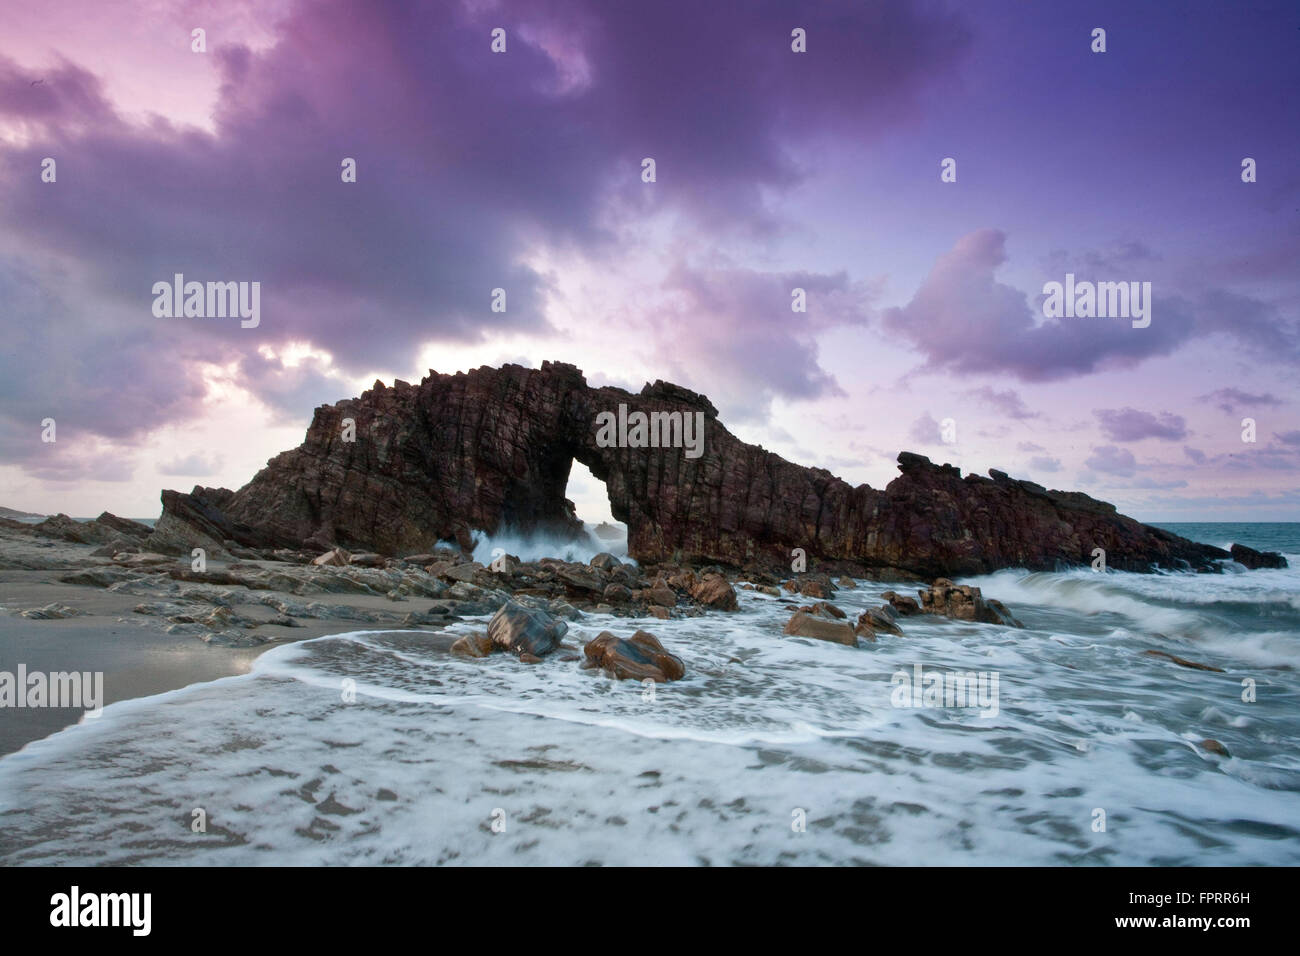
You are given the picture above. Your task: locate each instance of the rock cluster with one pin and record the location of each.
(531, 634)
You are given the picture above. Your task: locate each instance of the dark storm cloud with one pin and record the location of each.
(466, 161)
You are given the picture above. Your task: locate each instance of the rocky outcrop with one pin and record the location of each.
(401, 468)
(102, 530)
(1253, 559)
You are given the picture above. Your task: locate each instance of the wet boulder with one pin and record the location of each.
(640, 657)
(962, 602)
(904, 605)
(473, 645)
(714, 591)
(524, 631)
(875, 620)
(803, 624)
(617, 594)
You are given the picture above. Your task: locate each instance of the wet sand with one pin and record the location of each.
(135, 654)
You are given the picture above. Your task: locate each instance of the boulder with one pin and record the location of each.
(904, 605)
(874, 620)
(473, 645)
(685, 580)
(803, 624)
(825, 610)
(580, 581)
(525, 631)
(640, 657)
(617, 594)
(335, 557)
(605, 561)
(462, 573)
(715, 592)
(816, 587)
(663, 596)
(962, 602)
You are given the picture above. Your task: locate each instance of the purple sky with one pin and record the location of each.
(775, 169)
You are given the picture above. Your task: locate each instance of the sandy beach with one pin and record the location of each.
(141, 654)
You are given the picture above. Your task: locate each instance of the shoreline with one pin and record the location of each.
(136, 661)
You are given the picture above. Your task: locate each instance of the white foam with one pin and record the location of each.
(714, 769)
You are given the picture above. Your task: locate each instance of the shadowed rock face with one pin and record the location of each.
(491, 449)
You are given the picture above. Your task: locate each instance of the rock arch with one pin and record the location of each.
(492, 449)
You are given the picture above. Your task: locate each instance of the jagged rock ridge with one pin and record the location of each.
(491, 449)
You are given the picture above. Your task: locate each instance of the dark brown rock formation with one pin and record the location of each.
(1253, 559)
(491, 450)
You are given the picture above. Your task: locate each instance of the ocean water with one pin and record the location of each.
(442, 760)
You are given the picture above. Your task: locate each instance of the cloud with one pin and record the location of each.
(291, 390)
(1119, 257)
(1195, 454)
(746, 346)
(1008, 402)
(1231, 399)
(1288, 438)
(1043, 463)
(1130, 424)
(1153, 483)
(925, 430)
(195, 465)
(1110, 460)
(963, 320)
(468, 163)
(1029, 446)
(96, 371)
